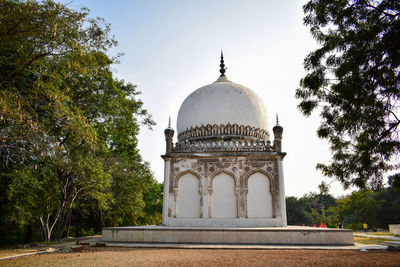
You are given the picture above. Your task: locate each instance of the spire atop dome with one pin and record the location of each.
(169, 122)
(277, 120)
(222, 65)
(222, 77)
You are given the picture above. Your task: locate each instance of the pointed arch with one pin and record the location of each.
(222, 171)
(223, 195)
(245, 178)
(188, 195)
(259, 197)
(180, 174)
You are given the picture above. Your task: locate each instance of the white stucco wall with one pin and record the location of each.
(223, 198)
(259, 198)
(188, 197)
(166, 201)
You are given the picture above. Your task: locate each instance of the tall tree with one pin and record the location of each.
(353, 81)
(65, 120)
(360, 207)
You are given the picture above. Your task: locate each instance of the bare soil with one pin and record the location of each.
(107, 256)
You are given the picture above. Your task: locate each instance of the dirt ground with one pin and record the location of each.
(94, 256)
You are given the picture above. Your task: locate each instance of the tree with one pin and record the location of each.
(390, 211)
(353, 80)
(296, 211)
(65, 120)
(358, 208)
(394, 181)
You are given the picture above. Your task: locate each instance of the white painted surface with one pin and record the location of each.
(222, 103)
(225, 222)
(167, 165)
(223, 198)
(259, 198)
(282, 193)
(281, 235)
(188, 198)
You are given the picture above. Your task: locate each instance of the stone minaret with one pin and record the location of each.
(278, 130)
(169, 134)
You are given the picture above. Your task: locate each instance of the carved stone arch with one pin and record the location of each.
(209, 129)
(235, 129)
(272, 190)
(226, 172)
(215, 129)
(180, 174)
(247, 175)
(247, 131)
(222, 201)
(203, 130)
(228, 129)
(241, 130)
(177, 191)
(222, 129)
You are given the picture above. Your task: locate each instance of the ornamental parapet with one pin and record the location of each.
(226, 132)
(223, 145)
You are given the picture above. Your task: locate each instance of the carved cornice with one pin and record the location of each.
(226, 132)
(223, 145)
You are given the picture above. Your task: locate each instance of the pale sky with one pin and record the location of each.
(172, 48)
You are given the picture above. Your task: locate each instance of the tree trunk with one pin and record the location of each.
(69, 221)
(29, 233)
(102, 219)
(61, 224)
(45, 228)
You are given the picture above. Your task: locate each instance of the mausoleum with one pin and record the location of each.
(224, 170)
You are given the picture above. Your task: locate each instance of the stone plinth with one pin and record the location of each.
(261, 236)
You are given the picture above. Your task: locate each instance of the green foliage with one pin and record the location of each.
(376, 208)
(353, 80)
(358, 208)
(394, 182)
(296, 212)
(153, 199)
(390, 211)
(68, 127)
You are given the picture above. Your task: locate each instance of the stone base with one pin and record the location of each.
(292, 235)
(224, 222)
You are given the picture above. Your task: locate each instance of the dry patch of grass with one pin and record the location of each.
(14, 252)
(386, 233)
(369, 240)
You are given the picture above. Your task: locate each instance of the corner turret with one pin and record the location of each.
(278, 130)
(169, 134)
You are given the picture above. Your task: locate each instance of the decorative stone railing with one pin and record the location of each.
(221, 145)
(228, 131)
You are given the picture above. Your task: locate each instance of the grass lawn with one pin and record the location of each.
(369, 240)
(386, 233)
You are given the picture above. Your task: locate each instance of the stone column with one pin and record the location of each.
(167, 166)
(282, 192)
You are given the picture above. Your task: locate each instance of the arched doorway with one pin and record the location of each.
(259, 198)
(188, 197)
(223, 198)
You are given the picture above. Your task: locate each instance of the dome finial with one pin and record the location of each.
(277, 120)
(222, 65)
(169, 122)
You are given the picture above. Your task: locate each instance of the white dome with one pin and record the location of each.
(222, 102)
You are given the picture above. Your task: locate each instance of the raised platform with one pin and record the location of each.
(291, 235)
